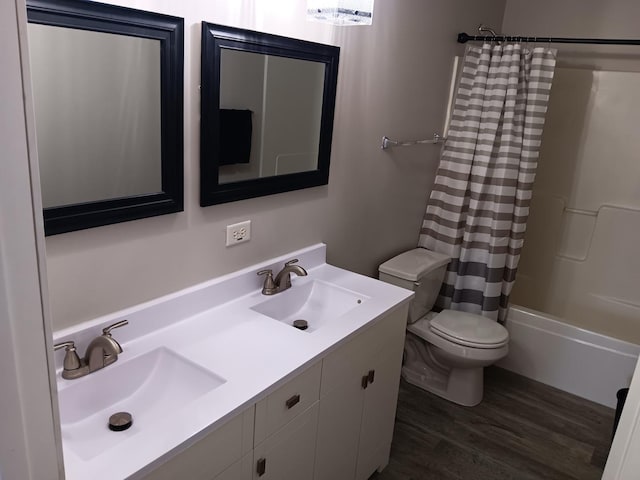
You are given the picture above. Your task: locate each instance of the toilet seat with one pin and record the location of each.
(469, 329)
(462, 329)
(467, 343)
(423, 330)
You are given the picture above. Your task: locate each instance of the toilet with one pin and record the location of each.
(445, 353)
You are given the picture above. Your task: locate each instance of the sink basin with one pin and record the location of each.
(150, 387)
(317, 302)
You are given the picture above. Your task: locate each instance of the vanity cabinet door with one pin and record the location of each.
(339, 432)
(358, 402)
(289, 453)
(378, 414)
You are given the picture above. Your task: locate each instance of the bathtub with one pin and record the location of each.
(578, 361)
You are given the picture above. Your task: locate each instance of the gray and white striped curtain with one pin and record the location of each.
(477, 212)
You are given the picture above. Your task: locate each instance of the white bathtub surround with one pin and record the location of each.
(241, 354)
(580, 259)
(587, 364)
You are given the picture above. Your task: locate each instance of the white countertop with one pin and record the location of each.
(253, 353)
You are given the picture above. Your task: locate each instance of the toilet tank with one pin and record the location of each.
(419, 270)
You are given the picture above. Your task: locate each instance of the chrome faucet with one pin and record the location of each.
(102, 351)
(282, 281)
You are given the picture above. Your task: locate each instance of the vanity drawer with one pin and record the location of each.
(293, 398)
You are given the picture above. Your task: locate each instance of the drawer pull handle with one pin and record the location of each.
(365, 381)
(262, 466)
(371, 376)
(293, 401)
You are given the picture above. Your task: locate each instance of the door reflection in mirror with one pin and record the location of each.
(282, 98)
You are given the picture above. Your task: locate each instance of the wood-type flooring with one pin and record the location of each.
(522, 430)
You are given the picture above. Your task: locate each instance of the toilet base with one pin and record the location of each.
(464, 386)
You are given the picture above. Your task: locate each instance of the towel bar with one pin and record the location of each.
(388, 143)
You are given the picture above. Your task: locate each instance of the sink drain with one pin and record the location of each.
(120, 421)
(301, 324)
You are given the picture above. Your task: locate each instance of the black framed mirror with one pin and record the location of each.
(108, 101)
(267, 106)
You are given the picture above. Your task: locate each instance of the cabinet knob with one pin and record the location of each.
(365, 381)
(293, 401)
(371, 376)
(261, 466)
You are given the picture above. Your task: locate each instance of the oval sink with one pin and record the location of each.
(149, 387)
(317, 302)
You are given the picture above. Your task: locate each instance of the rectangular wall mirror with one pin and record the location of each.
(267, 110)
(108, 100)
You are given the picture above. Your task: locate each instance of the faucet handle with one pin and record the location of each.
(121, 323)
(71, 359)
(269, 287)
(291, 262)
(68, 345)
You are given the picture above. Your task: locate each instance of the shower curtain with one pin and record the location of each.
(478, 208)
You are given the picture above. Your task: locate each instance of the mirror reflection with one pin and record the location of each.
(270, 115)
(267, 106)
(97, 107)
(108, 102)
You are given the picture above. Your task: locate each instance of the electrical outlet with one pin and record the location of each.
(238, 233)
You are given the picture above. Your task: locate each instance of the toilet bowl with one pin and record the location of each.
(446, 352)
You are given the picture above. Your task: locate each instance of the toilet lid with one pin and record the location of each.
(414, 264)
(469, 329)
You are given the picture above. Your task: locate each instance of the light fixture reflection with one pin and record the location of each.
(341, 12)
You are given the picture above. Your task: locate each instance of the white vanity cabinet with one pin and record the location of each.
(358, 400)
(221, 388)
(332, 421)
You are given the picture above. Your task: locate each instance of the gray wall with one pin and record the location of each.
(580, 18)
(393, 80)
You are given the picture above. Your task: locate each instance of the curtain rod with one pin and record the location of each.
(464, 38)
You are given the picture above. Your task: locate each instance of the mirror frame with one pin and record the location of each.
(168, 30)
(214, 38)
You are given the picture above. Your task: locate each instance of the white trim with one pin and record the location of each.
(624, 462)
(36, 198)
(587, 364)
(29, 437)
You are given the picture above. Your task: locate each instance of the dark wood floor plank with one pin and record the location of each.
(551, 402)
(489, 433)
(522, 430)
